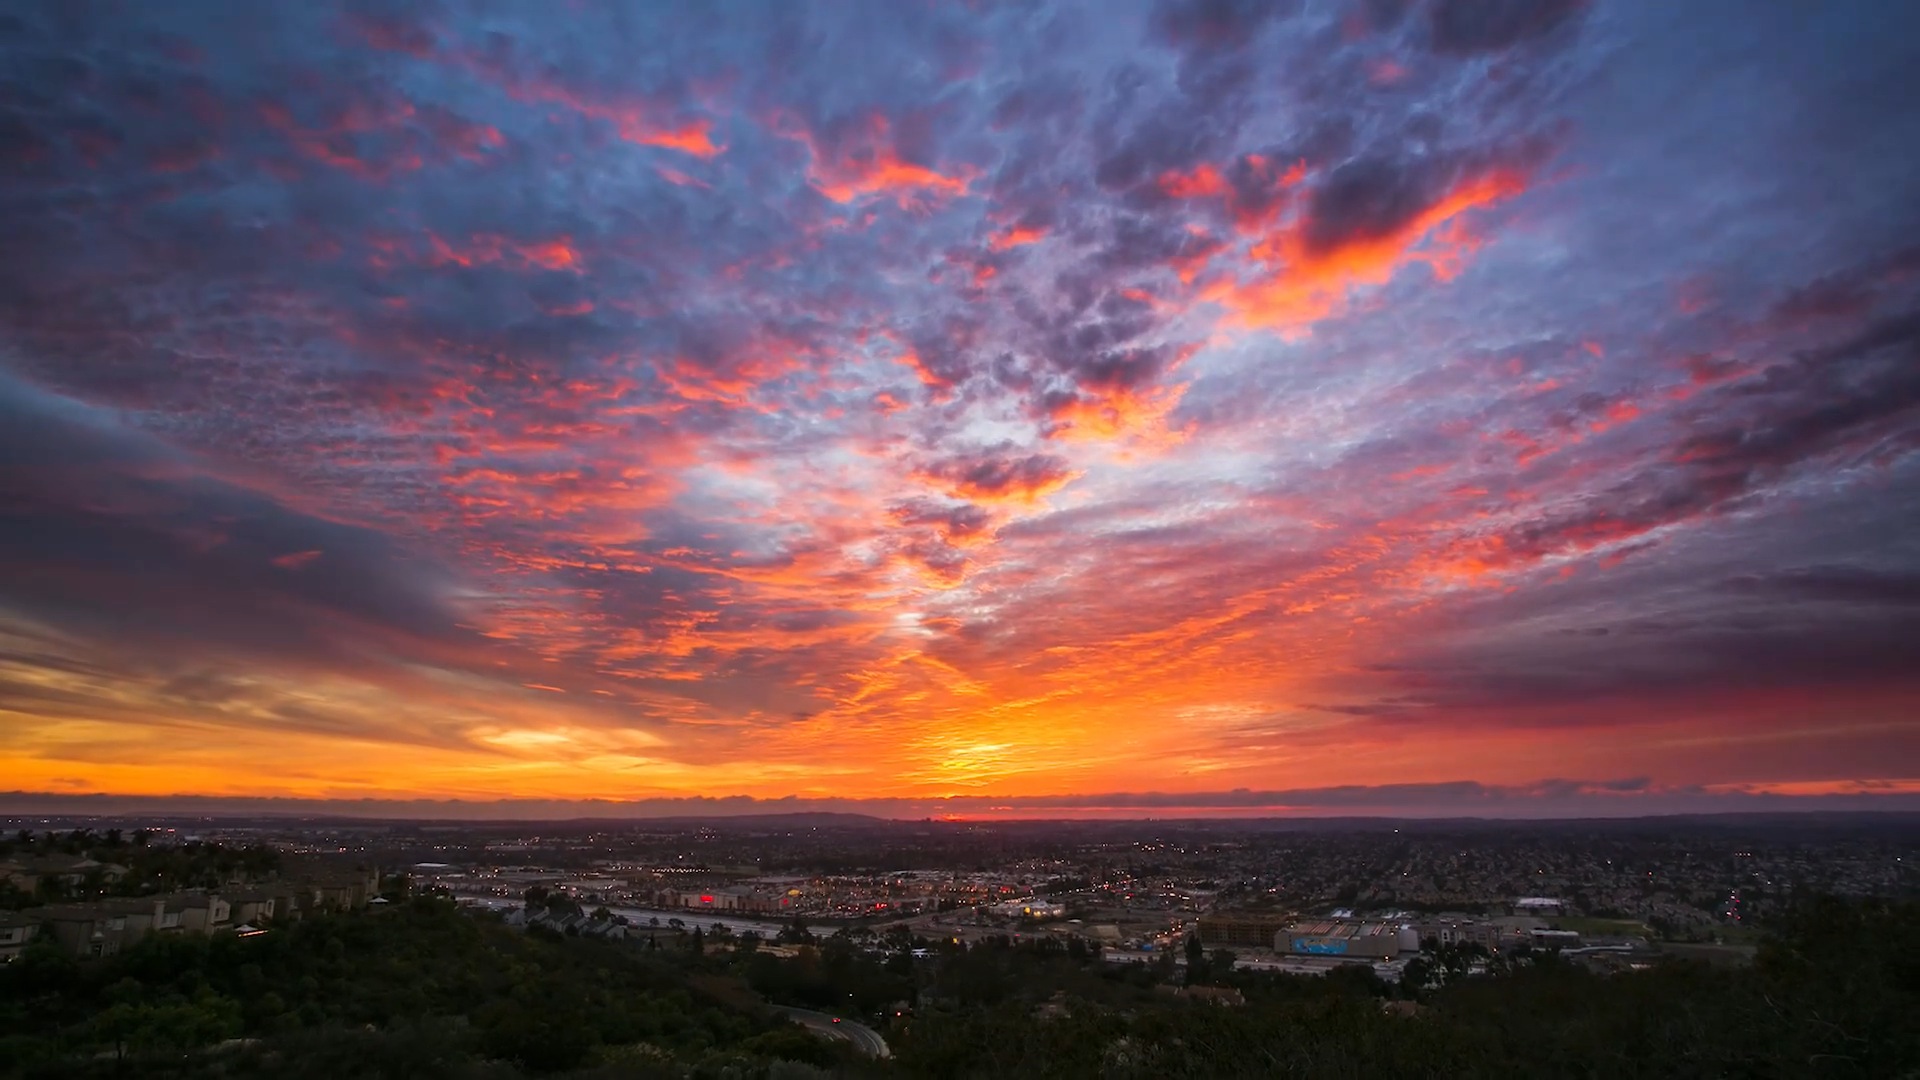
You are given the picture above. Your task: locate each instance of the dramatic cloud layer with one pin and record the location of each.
(910, 402)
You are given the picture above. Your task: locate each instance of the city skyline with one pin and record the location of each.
(1417, 407)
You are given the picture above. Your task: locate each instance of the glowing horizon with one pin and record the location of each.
(1028, 405)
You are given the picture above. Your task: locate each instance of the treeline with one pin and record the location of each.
(424, 990)
(418, 990)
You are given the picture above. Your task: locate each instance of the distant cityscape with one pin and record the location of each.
(1290, 897)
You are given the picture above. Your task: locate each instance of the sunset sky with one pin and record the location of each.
(1327, 406)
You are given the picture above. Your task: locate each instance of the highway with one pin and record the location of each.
(864, 1038)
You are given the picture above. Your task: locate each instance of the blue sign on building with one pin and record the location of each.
(1320, 946)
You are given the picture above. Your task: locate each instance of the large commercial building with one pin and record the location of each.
(1453, 929)
(1028, 908)
(1360, 940)
(1254, 929)
(740, 900)
(1500, 932)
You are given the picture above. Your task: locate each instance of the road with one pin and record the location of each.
(864, 1038)
(642, 918)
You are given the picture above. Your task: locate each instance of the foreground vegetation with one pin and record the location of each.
(424, 990)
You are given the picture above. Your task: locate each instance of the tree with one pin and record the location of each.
(43, 968)
(141, 1027)
(1162, 968)
(541, 1035)
(1220, 964)
(698, 944)
(1421, 974)
(793, 1043)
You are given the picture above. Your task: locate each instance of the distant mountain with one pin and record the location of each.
(1200, 812)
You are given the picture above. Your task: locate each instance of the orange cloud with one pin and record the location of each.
(1001, 479)
(1307, 283)
(1802, 788)
(1196, 252)
(552, 254)
(731, 383)
(871, 165)
(1616, 413)
(1132, 414)
(1252, 192)
(1017, 236)
(1202, 181)
(927, 376)
(636, 121)
(481, 249)
(694, 137)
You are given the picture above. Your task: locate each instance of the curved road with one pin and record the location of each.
(864, 1038)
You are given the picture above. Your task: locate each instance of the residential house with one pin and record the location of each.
(87, 930)
(106, 927)
(201, 913)
(142, 916)
(26, 872)
(338, 888)
(15, 872)
(253, 906)
(16, 932)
